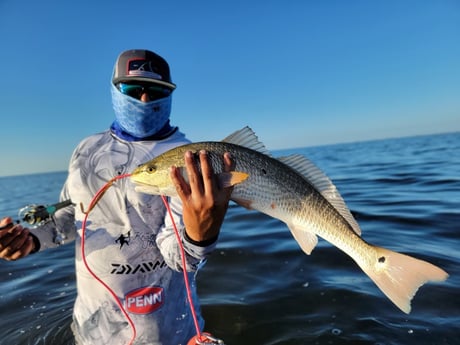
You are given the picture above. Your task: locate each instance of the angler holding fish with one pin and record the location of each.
(295, 191)
(131, 244)
(129, 265)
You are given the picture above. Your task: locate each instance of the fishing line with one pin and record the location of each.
(93, 203)
(199, 339)
(184, 269)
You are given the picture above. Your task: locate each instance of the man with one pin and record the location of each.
(130, 242)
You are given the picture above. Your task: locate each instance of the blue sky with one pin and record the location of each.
(300, 73)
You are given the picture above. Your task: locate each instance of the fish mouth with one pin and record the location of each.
(146, 188)
(141, 186)
(141, 182)
(144, 184)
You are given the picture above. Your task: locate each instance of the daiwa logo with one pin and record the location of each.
(144, 300)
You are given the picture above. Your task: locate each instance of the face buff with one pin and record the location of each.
(140, 119)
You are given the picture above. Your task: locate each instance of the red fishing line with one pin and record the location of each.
(184, 270)
(199, 338)
(93, 203)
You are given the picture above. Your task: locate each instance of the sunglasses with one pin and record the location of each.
(137, 90)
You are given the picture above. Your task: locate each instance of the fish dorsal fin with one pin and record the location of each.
(247, 138)
(322, 184)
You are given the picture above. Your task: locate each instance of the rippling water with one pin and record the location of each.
(258, 287)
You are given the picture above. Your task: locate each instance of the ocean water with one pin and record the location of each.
(258, 287)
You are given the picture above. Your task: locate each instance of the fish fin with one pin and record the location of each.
(306, 240)
(247, 138)
(322, 184)
(228, 179)
(399, 276)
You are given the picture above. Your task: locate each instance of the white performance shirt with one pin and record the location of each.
(130, 244)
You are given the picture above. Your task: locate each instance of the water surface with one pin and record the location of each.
(258, 287)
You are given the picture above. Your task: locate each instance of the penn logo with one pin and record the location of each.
(144, 300)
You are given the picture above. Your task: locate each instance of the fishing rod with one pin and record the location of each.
(40, 214)
(37, 215)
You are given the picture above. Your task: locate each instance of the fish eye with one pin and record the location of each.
(151, 169)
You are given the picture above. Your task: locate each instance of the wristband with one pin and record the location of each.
(204, 243)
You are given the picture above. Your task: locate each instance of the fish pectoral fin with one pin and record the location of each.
(306, 240)
(231, 178)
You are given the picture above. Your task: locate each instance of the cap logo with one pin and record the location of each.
(142, 68)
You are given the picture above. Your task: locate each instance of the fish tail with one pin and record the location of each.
(399, 276)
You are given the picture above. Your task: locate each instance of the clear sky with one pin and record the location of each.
(299, 72)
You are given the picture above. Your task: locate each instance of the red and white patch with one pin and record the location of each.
(144, 300)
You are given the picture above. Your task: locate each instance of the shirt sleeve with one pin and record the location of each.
(60, 230)
(195, 253)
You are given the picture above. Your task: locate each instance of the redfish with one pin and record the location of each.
(295, 191)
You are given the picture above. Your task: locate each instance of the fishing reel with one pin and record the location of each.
(37, 215)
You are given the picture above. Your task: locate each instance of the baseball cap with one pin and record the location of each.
(142, 65)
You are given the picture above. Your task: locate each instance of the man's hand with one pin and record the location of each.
(204, 202)
(15, 241)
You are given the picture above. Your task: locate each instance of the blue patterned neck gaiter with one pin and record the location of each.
(140, 119)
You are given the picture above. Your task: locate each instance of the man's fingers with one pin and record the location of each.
(25, 248)
(194, 178)
(182, 187)
(209, 181)
(200, 175)
(8, 235)
(229, 164)
(6, 223)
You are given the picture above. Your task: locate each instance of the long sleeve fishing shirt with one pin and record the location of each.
(129, 244)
